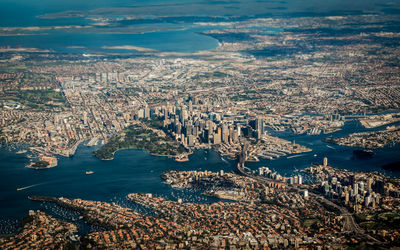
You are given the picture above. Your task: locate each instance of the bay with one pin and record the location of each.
(135, 171)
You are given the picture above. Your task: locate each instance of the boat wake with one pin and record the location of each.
(30, 186)
(293, 156)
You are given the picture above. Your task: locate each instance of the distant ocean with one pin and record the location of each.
(158, 36)
(165, 25)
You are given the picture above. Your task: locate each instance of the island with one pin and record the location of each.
(44, 162)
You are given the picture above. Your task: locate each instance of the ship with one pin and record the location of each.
(23, 151)
(89, 172)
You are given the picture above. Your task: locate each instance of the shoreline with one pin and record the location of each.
(169, 156)
(36, 168)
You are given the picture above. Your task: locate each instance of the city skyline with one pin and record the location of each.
(209, 124)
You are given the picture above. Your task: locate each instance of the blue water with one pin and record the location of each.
(170, 37)
(130, 171)
(180, 40)
(338, 156)
(137, 171)
(176, 15)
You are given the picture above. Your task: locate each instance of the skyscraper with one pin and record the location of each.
(325, 161)
(259, 126)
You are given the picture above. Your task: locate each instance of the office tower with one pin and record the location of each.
(190, 140)
(325, 161)
(355, 188)
(225, 134)
(346, 197)
(369, 184)
(217, 137)
(146, 112)
(190, 106)
(259, 127)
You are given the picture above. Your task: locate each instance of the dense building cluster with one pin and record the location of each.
(306, 75)
(370, 140)
(210, 97)
(41, 231)
(363, 193)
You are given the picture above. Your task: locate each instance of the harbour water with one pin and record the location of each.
(137, 171)
(338, 156)
(130, 171)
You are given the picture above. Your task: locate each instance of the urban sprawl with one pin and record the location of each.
(229, 99)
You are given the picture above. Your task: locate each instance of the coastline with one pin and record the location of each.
(36, 168)
(169, 156)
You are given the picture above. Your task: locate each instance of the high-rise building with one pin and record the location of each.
(346, 197)
(361, 185)
(190, 106)
(259, 127)
(355, 189)
(189, 129)
(217, 138)
(85, 119)
(183, 115)
(146, 112)
(225, 134)
(238, 127)
(369, 184)
(190, 140)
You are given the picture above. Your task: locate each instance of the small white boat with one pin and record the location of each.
(89, 172)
